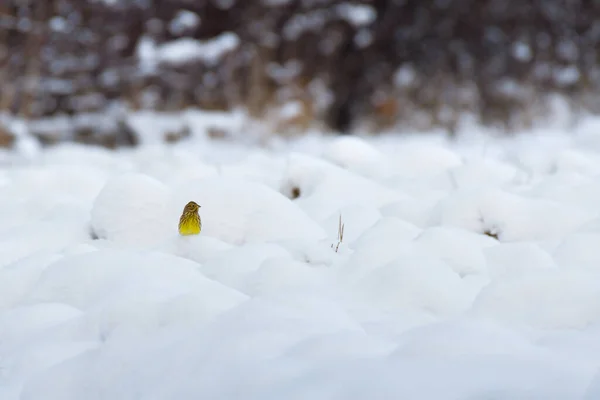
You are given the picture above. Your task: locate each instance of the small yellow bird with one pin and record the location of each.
(190, 223)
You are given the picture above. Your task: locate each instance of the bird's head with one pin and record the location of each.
(192, 206)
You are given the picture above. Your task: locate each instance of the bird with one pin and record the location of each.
(189, 222)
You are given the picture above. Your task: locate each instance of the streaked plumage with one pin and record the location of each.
(190, 222)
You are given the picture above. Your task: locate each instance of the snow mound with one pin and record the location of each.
(68, 183)
(462, 337)
(53, 231)
(203, 357)
(416, 159)
(469, 267)
(234, 266)
(26, 320)
(578, 161)
(462, 250)
(507, 216)
(18, 278)
(282, 275)
(356, 220)
(358, 156)
(324, 188)
(545, 299)
(484, 173)
(516, 258)
(198, 248)
(132, 209)
(572, 190)
(82, 280)
(416, 210)
(413, 279)
(579, 251)
(238, 211)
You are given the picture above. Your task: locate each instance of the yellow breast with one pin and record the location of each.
(190, 225)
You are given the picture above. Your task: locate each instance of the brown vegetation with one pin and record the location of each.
(7, 139)
(412, 62)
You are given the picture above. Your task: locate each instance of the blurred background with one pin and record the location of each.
(342, 66)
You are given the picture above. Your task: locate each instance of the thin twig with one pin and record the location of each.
(340, 236)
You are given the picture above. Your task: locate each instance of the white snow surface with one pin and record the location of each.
(469, 269)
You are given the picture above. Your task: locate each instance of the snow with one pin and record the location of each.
(131, 209)
(405, 76)
(284, 73)
(183, 20)
(363, 38)
(522, 51)
(468, 268)
(184, 50)
(236, 211)
(290, 109)
(566, 76)
(24, 144)
(357, 14)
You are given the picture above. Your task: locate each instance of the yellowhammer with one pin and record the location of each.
(190, 223)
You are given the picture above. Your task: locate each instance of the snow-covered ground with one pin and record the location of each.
(468, 269)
